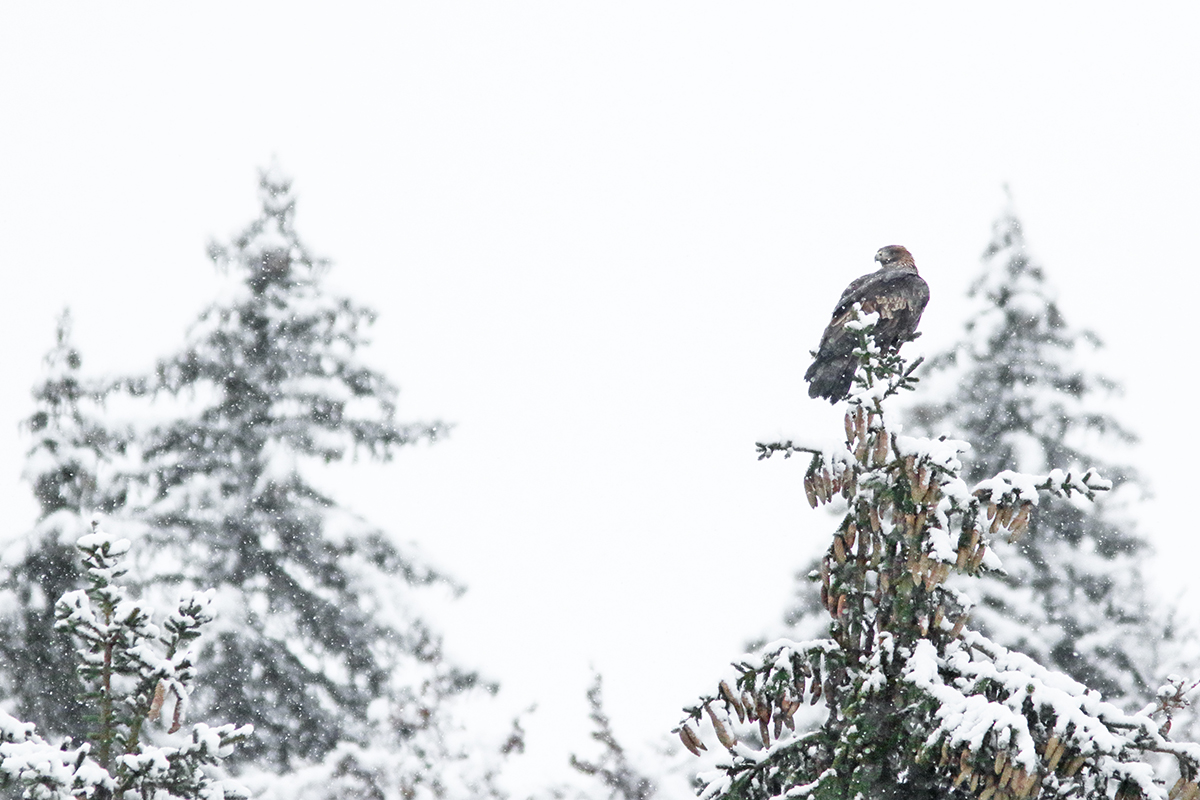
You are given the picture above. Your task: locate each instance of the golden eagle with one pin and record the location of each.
(897, 292)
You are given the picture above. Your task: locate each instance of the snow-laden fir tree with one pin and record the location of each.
(71, 467)
(318, 643)
(1019, 387)
(917, 704)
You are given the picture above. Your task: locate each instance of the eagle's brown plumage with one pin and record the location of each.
(897, 292)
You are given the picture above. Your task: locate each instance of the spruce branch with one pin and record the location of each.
(788, 448)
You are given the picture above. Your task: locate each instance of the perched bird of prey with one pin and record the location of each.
(897, 292)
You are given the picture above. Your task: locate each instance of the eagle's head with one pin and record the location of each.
(895, 256)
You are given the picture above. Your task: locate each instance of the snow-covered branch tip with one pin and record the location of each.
(1016, 485)
(788, 448)
(880, 373)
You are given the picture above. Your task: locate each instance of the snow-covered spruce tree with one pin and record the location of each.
(71, 468)
(918, 704)
(318, 643)
(132, 671)
(1018, 387)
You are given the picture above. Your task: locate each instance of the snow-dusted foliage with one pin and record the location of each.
(1019, 387)
(72, 468)
(132, 671)
(918, 704)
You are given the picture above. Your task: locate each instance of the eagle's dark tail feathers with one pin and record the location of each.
(831, 377)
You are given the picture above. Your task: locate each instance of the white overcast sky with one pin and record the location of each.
(602, 238)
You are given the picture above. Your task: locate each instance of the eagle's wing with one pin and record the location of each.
(855, 293)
